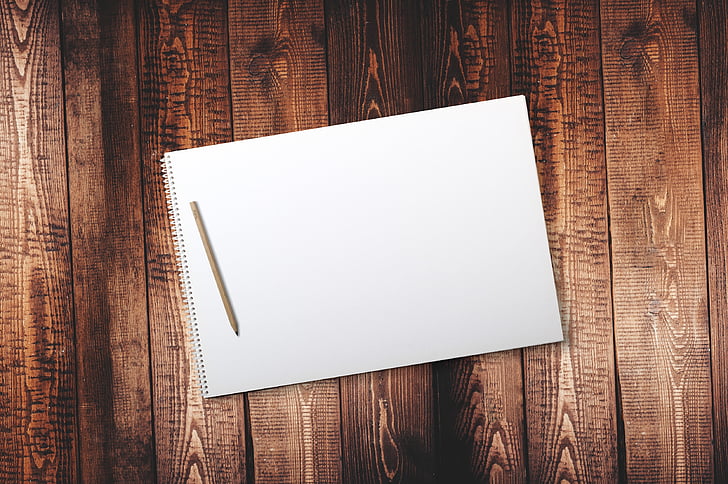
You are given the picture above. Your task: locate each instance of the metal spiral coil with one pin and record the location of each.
(184, 276)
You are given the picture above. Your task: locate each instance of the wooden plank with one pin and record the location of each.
(295, 433)
(570, 390)
(658, 249)
(184, 102)
(375, 70)
(114, 401)
(713, 20)
(278, 78)
(481, 427)
(466, 52)
(278, 66)
(37, 374)
(374, 61)
(381, 438)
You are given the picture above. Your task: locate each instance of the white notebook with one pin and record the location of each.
(364, 246)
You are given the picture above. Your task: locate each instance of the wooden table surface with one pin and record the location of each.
(628, 101)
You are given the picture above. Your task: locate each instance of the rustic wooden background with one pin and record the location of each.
(628, 102)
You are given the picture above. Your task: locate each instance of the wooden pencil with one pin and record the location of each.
(214, 266)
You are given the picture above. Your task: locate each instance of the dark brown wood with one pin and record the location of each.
(295, 433)
(481, 423)
(184, 100)
(387, 427)
(570, 389)
(713, 31)
(375, 69)
(37, 369)
(81, 312)
(466, 51)
(278, 79)
(278, 66)
(114, 401)
(374, 59)
(466, 54)
(658, 249)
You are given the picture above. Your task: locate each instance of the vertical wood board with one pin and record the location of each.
(481, 435)
(184, 102)
(570, 387)
(278, 79)
(114, 392)
(654, 166)
(374, 69)
(37, 375)
(713, 19)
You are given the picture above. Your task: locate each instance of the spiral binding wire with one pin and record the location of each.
(184, 275)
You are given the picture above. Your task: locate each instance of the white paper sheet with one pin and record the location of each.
(366, 246)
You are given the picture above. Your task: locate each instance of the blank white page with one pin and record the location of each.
(366, 246)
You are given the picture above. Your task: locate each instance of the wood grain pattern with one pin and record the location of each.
(658, 249)
(387, 427)
(37, 374)
(481, 423)
(295, 433)
(466, 53)
(278, 66)
(278, 79)
(375, 69)
(184, 103)
(374, 59)
(570, 389)
(114, 401)
(714, 93)
(81, 311)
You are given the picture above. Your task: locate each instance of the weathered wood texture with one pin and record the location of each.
(92, 98)
(278, 82)
(387, 426)
(37, 381)
(277, 66)
(658, 248)
(184, 102)
(466, 57)
(114, 401)
(714, 91)
(295, 433)
(570, 389)
(375, 69)
(466, 51)
(374, 59)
